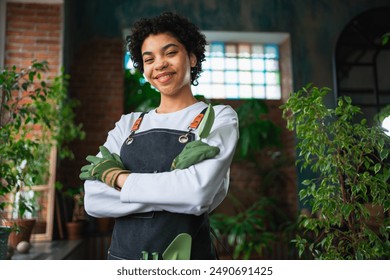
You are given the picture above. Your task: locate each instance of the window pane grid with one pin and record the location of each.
(237, 71)
(240, 71)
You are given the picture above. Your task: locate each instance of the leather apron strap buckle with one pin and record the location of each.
(135, 127)
(194, 125)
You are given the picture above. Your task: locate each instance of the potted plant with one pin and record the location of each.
(349, 175)
(4, 233)
(35, 116)
(76, 225)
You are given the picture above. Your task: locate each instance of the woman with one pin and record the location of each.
(154, 202)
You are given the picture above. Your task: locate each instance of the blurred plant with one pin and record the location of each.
(251, 230)
(140, 96)
(34, 117)
(77, 203)
(256, 131)
(385, 38)
(254, 228)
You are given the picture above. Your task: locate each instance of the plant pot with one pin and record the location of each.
(23, 232)
(39, 228)
(4, 233)
(75, 230)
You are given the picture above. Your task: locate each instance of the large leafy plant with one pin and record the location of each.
(349, 161)
(35, 115)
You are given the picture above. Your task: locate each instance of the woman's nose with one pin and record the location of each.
(161, 64)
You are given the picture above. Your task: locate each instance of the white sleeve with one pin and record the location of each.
(102, 200)
(194, 190)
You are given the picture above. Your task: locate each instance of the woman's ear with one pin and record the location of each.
(193, 60)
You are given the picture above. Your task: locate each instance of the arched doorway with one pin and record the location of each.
(362, 62)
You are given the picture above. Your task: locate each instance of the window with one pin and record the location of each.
(239, 71)
(239, 65)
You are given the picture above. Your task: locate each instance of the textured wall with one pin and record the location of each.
(314, 25)
(33, 31)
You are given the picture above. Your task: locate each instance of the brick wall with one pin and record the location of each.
(247, 178)
(97, 81)
(33, 31)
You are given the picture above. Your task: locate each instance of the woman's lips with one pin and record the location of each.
(164, 77)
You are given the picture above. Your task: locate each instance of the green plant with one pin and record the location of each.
(76, 195)
(139, 94)
(256, 131)
(60, 115)
(385, 38)
(34, 117)
(253, 228)
(350, 165)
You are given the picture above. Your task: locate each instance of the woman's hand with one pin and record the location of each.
(106, 169)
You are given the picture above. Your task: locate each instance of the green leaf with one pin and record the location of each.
(306, 182)
(377, 167)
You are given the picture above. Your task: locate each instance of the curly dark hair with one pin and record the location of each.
(181, 28)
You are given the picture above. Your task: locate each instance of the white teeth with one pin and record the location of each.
(165, 76)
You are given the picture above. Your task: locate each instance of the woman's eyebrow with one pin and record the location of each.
(167, 46)
(164, 48)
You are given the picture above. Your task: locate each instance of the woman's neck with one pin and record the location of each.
(172, 104)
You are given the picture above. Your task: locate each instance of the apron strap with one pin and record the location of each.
(137, 123)
(182, 139)
(195, 123)
(135, 127)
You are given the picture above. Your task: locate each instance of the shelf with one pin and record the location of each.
(53, 250)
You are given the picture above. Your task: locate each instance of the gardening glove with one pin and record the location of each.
(198, 151)
(108, 155)
(86, 170)
(194, 152)
(105, 169)
(207, 122)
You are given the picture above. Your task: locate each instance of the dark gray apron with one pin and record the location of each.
(153, 151)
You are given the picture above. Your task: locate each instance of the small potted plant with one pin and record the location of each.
(76, 216)
(22, 219)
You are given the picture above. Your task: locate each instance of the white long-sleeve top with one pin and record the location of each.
(195, 190)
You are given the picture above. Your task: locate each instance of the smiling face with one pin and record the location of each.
(167, 64)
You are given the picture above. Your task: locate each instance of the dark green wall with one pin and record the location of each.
(314, 25)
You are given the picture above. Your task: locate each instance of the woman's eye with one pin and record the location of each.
(172, 53)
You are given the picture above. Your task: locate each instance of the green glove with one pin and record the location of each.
(108, 155)
(207, 122)
(105, 169)
(194, 152)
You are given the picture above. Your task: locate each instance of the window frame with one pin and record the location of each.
(281, 39)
